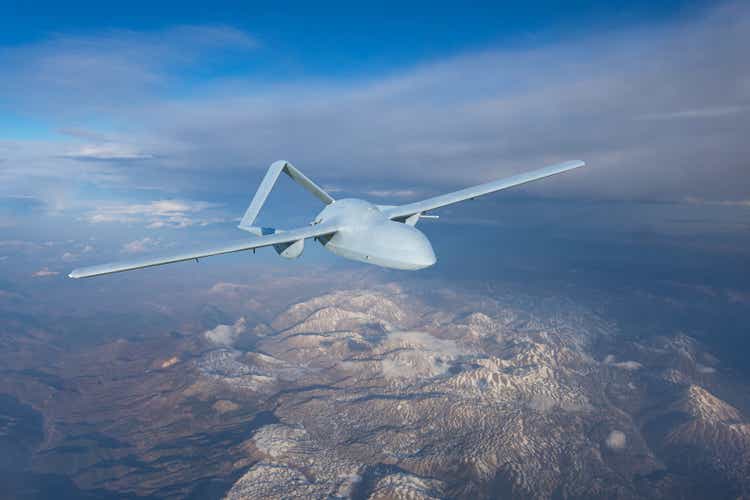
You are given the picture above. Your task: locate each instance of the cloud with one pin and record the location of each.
(139, 246)
(628, 365)
(21, 244)
(429, 126)
(68, 79)
(725, 203)
(44, 272)
(521, 108)
(226, 335)
(106, 71)
(107, 152)
(625, 365)
(73, 255)
(156, 214)
(716, 112)
(616, 440)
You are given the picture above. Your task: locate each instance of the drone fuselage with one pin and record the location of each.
(367, 235)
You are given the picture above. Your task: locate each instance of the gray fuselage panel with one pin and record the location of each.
(367, 235)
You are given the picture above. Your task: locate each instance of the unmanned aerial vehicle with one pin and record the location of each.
(384, 235)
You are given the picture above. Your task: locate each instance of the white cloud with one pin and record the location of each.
(628, 365)
(73, 255)
(582, 97)
(428, 126)
(226, 335)
(616, 440)
(44, 272)
(156, 214)
(625, 365)
(107, 152)
(138, 246)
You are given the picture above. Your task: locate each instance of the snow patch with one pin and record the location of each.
(418, 354)
(616, 440)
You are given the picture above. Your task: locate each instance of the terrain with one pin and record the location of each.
(383, 391)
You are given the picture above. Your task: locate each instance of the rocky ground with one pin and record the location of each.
(389, 392)
(482, 398)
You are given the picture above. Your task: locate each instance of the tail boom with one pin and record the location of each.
(267, 184)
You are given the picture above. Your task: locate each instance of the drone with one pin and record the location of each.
(383, 235)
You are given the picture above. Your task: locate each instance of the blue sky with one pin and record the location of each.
(149, 124)
(406, 30)
(340, 40)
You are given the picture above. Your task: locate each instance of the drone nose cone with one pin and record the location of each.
(420, 254)
(425, 257)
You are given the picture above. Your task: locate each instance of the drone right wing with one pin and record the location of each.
(403, 211)
(249, 244)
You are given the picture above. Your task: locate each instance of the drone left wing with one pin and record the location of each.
(249, 244)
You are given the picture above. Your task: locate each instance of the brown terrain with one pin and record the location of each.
(378, 393)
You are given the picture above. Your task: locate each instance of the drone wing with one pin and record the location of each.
(403, 211)
(248, 244)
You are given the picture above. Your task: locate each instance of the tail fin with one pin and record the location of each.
(267, 184)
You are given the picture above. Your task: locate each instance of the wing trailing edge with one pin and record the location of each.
(250, 244)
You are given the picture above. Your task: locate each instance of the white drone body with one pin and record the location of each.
(384, 235)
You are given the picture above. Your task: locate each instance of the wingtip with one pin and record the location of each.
(574, 164)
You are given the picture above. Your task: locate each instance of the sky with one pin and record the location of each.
(136, 128)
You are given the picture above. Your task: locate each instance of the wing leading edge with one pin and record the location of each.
(249, 244)
(480, 190)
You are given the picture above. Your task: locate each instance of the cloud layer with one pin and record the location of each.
(659, 113)
(156, 214)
